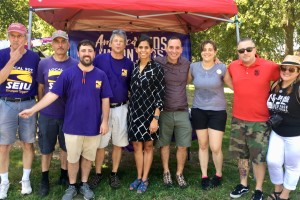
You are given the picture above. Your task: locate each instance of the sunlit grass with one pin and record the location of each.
(156, 190)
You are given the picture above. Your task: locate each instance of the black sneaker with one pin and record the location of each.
(44, 188)
(215, 181)
(205, 183)
(258, 195)
(238, 191)
(114, 181)
(95, 181)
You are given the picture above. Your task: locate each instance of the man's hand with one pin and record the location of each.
(103, 128)
(26, 113)
(16, 55)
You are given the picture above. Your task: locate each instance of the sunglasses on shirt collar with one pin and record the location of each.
(248, 49)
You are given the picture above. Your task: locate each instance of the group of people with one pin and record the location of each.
(107, 97)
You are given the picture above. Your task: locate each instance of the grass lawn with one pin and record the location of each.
(127, 174)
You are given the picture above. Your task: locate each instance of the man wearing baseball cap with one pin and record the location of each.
(51, 118)
(18, 88)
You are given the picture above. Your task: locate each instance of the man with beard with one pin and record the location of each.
(86, 91)
(118, 70)
(51, 118)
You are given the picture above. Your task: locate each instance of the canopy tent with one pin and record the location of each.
(184, 16)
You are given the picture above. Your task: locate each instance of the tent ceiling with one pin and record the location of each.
(182, 16)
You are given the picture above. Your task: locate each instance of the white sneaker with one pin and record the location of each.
(3, 190)
(26, 187)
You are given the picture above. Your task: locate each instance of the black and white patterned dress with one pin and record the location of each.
(147, 93)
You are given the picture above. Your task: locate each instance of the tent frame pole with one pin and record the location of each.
(29, 28)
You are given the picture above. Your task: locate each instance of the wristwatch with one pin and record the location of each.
(156, 117)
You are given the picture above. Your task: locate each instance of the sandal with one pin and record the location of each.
(135, 184)
(274, 196)
(143, 187)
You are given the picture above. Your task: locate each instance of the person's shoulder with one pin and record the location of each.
(193, 64)
(5, 50)
(161, 60)
(73, 60)
(184, 60)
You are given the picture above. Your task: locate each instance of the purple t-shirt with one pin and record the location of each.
(21, 81)
(48, 71)
(83, 101)
(118, 73)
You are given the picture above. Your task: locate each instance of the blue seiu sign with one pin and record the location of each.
(101, 40)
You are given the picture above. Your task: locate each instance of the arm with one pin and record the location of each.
(227, 79)
(154, 123)
(15, 56)
(105, 115)
(45, 101)
(190, 77)
(41, 91)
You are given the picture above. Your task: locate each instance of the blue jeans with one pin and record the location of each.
(11, 123)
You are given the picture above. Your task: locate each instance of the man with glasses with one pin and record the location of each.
(118, 69)
(251, 78)
(51, 118)
(18, 88)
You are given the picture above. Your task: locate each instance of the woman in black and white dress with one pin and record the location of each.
(145, 103)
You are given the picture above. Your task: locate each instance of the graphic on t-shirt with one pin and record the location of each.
(19, 80)
(279, 103)
(98, 84)
(52, 77)
(124, 72)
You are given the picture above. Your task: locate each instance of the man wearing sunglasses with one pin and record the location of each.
(251, 77)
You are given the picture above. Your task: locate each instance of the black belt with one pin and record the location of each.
(114, 105)
(17, 99)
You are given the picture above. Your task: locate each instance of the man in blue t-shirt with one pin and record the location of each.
(18, 88)
(51, 118)
(118, 70)
(86, 91)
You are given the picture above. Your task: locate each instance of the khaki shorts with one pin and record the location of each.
(85, 146)
(249, 140)
(117, 128)
(177, 124)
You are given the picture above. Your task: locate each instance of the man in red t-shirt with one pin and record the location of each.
(251, 78)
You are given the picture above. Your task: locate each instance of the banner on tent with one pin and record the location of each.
(101, 40)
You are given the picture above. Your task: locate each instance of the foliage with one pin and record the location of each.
(18, 11)
(272, 24)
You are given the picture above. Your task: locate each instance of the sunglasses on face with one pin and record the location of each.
(290, 69)
(248, 49)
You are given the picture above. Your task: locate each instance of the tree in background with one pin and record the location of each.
(272, 24)
(18, 11)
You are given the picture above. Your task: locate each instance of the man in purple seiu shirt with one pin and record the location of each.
(51, 118)
(18, 89)
(118, 70)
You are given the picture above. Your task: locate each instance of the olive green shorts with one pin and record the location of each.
(174, 123)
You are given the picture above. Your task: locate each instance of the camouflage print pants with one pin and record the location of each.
(249, 140)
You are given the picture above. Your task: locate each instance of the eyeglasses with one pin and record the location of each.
(248, 49)
(290, 69)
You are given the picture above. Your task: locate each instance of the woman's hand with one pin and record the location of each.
(153, 126)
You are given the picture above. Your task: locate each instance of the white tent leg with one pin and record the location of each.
(29, 28)
(236, 21)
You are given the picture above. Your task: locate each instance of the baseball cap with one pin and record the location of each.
(17, 27)
(60, 33)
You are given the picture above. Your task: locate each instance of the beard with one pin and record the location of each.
(85, 62)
